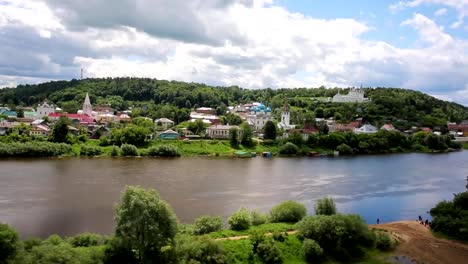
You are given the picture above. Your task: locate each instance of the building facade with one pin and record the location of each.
(219, 131)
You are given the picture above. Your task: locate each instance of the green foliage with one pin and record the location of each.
(269, 252)
(62, 253)
(85, 240)
(86, 150)
(34, 149)
(343, 237)
(234, 136)
(201, 250)
(312, 251)
(435, 142)
(269, 130)
(129, 150)
(258, 218)
(131, 134)
(115, 151)
(240, 220)
(256, 237)
(8, 243)
(145, 223)
(289, 149)
(164, 151)
(104, 141)
(60, 130)
(279, 236)
(288, 211)
(246, 135)
(325, 206)
(231, 119)
(344, 149)
(197, 127)
(383, 241)
(451, 217)
(207, 224)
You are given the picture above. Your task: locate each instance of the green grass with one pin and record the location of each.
(265, 228)
(465, 145)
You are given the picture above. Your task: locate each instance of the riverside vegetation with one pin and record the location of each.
(147, 231)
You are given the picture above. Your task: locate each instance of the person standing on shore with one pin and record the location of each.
(378, 220)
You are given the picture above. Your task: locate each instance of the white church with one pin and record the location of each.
(356, 95)
(87, 108)
(285, 123)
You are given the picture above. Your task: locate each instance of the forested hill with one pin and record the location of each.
(174, 99)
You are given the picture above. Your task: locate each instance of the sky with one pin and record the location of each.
(415, 44)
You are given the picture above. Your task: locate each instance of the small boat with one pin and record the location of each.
(253, 154)
(243, 154)
(314, 154)
(266, 154)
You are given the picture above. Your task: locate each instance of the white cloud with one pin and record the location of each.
(441, 12)
(266, 46)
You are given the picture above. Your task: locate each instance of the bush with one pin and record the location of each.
(342, 236)
(279, 236)
(207, 224)
(34, 149)
(201, 250)
(8, 243)
(163, 151)
(289, 212)
(85, 240)
(269, 253)
(129, 150)
(90, 150)
(344, 149)
(451, 217)
(256, 237)
(325, 206)
(104, 141)
(115, 151)
(312, 251)
(30, 243)
(289, 149)
(383, 241)
(240, 220)
(258, 218)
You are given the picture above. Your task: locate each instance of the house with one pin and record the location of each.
(107, 118)
(96, 132)
(336, 127)
(388, 127)
(356, 95)
(366, 129)
(10, 113)
(285, 119)
(40, 131)
(82, 119)
(458, 130)
(38, 122)
(206, 118)
(426, 129)
(206, 111)
(219, 131)
(45, 109)
(123, 117)
(169, 134)
(103, 109)
(164, 123)
(259, 115)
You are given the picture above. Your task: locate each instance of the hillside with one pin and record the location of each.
(173, 99)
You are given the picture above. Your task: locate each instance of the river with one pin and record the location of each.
(68, 196)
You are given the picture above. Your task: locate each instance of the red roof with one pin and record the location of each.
(84, 118)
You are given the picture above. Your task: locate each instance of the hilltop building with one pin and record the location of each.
(259, 115)
(285, 119)
(356, 95)
(45, 109)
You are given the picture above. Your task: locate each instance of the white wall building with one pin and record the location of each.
(354, 96)
(45, 109)
(366, 129)
(258, 120)
(219, 131)
(164, 122)
(285, 123)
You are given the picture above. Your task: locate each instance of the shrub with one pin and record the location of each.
(341, 236)
(269, 253)
(207, 224)
(312, 251)
(8, 243)
(325, 206)
(289, 211)
(279, 236)
(383, 241)
(451, 217)
(164, 151)
(201, 250)
(258, 218)
(240, 220)
(30, 243)
(104, 141)
(344, 149)
(289, 149)
(85, 240)
(129, 150)
(115, 151)
(256, 237)
(90, 150)
(34, 149)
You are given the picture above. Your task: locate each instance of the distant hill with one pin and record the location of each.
(173, 99)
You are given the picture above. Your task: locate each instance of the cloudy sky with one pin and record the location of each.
(415, 44)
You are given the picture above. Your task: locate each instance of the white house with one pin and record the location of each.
(354, 96)
(164, 122)
(285, 119)
(45, 109)
(366, 129)
(219, 131)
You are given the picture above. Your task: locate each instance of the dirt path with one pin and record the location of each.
(419, 244)
(246, 236)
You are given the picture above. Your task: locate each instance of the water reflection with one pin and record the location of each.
(68, 196)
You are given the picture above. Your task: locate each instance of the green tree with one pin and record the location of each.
(234, 136)
(196, 127)
(325, 206)
(269, 130)
(322, 127)
(145, 223)
(8, 243)
(20, 113)
(246, 135)
(60, 131)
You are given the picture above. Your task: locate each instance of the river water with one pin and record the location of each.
(67, 196)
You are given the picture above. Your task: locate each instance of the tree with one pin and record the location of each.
(234, 136)
(322, 128)
(196, 127)
(145, 223)
(325, 206)
(60, 131)
(20, 113)
(8, 243)
(269, 130)
(246, 134)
